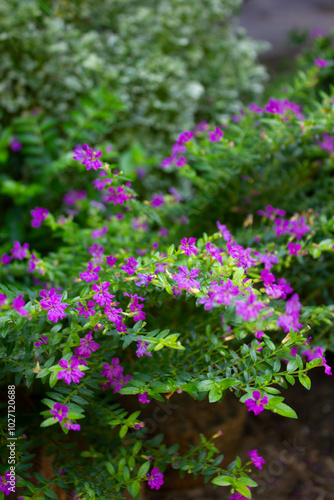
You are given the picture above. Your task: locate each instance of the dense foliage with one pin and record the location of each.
(170, 62)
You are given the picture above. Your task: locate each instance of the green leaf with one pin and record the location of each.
(123, 431)
(110, 468)
(223, 480)
(205, 385)
(242, 488)
(134, 488)
(228, 382)
(285, 410)
(48, 422)
(143, 469)
(305, 381)
(215, 394)
(292, 365)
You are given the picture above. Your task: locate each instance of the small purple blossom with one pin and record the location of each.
(98, 233)
(6, 483)
(38, 215)
(142, 348)
(111, 261)
(52, 303)
(86, 310)
(189, 246)
(327, 143)
(293, 248)
(72, 426)
(155, 478)
(130, 266)
(144, 279)
(102, 296)
(158, 199)
(257, 461)
(18, 251)
(14, 144)
(59, 411)
(87, 346)
(256, 403)
(320, 63)
(18, 304)
(143, 398)
(41, 341)
(216, 135)
(250, 308)
(185, 278)
(88, 157)
(91, 274)
(70, 371)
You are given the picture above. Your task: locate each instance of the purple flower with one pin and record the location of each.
(142, 348)
(87, 346)
(181, 161)
(38, 216)
(250, 308)
(189, 246)
(299, 228)
(225, 232)
(14, 144)
(255, 109)
(32, 263)
(114, 370)
(73, 196)
(157, 200)
(18, 251)
(144, 279)
(52, 303)
(293, 248)
(88, 157)
(130, 266)
(70, 371)
(60, 412)
(72, 426)
(117, 196)
(268, 259)
(257, 461)
(239, 496)
(155, 479)
(256, 403)
(91, 273)
(2, 299)
(41, 341)
(143, 398)
(185, 278)
(135, 307)
(321, 63)
(111, 261)
(86, 310)
(327, 143)
(281, 226)
(102, 296)
(115, 315)
(97, 233)
(271, 212)
(18, 305)
(185, 137)
(163, 231)
(243, 255)
(315, 353)
(5, 259)
(216, 135)
(7, 483)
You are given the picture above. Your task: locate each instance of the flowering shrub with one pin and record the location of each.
(117, 311)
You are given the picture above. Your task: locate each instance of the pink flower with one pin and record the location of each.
(185, 278)
(5, 259)
(114, 370)
(59, 411)
(130, 266)
(216, 135)
(102, 296)
(70, 371)
(6, 482)
(99, 232)
(18, 305)
(143, 398)
(256, 403)
(250, 308)
(91, 273)
(189, 246)
(157, 200)
(2, 299)
(72, 426)
(155, 479)
(327, 143)
(293, 248)
(88, 157)
(117, 196)
(41, 341)
(14, 144)
(52, 303)
(321, 63)
(257, 461)
(225, 232)
(111, 261)
(38, 216)
(87, 346)
(142, 348)
(86, 310)
(18, 251)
